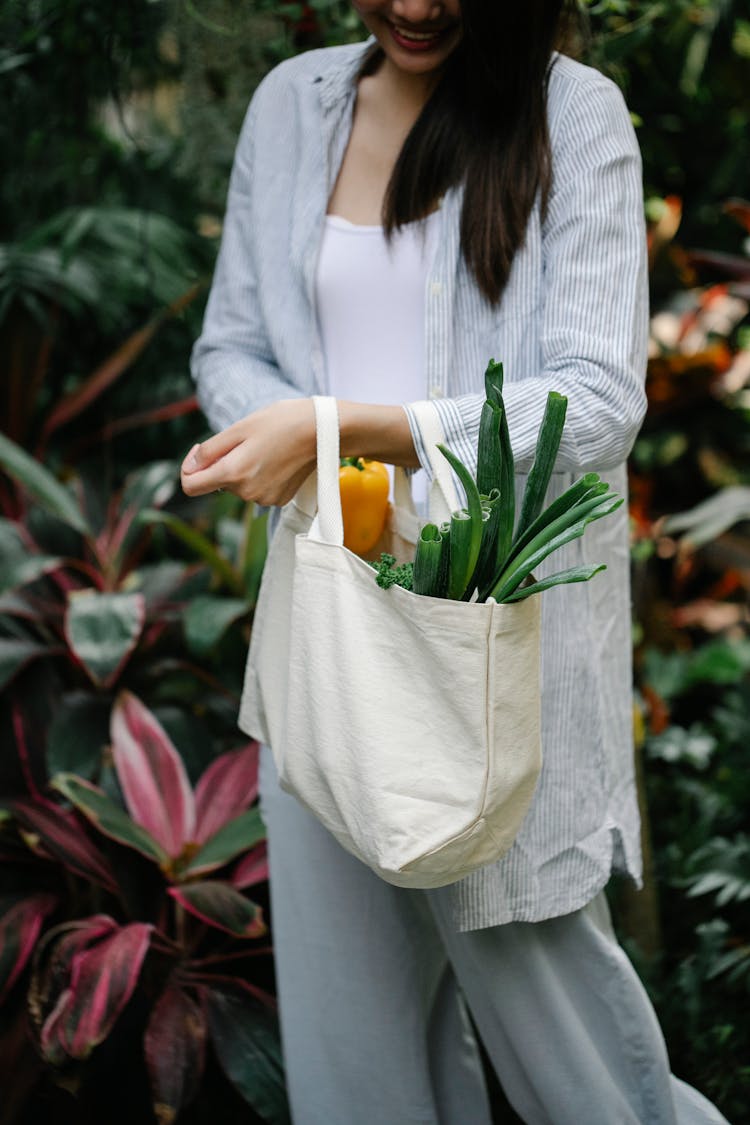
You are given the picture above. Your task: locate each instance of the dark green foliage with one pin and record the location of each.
(699, 793)
(110, 213)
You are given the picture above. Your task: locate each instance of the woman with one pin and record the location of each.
(399, 212)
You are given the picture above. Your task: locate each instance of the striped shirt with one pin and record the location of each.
(572, 319)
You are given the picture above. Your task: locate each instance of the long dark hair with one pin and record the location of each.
(485, 125)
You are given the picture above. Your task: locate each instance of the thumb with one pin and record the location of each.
(192, 461)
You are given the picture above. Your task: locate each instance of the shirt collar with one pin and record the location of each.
(336, 83)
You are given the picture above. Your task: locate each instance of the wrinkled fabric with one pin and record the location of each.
(573, 319)
(371, 979)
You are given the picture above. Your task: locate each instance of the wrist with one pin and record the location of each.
(381, 433)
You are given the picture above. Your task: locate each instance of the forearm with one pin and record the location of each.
(378, 432)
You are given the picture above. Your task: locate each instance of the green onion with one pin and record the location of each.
(466, 541)
(570, 526)
(562, 577)
(485, 568)
(431, 562)
(547, 445)
(585, 488)
(476, 551)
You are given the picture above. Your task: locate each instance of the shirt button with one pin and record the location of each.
(436, 391)
(436, 288)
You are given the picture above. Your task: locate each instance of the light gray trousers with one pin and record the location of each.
(371, 982)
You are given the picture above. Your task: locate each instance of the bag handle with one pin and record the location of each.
(328, 525)
(443, 496)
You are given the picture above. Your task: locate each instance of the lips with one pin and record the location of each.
(412, 40)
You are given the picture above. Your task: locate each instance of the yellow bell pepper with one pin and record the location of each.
(364, 487)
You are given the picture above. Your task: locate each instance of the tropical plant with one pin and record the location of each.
(154, 901)
(87, 599)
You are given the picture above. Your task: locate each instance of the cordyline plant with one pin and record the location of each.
(86, 601)
(184, 936)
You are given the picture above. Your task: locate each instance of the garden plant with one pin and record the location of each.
(136, 978)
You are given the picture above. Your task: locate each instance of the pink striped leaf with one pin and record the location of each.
(175, 1051)
(252, 868)
(53, 957)
(222, 907)
(62, 836)
(19, 930)
(109, 818)
(102, 980)
(152, 775)
(227, 788)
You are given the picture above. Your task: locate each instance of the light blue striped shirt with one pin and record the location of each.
(573, 319)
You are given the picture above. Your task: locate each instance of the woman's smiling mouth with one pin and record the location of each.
(412, 40)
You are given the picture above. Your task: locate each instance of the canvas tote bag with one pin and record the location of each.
(264, 698)
(409, 726)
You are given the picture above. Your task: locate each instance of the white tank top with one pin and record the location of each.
(370, 299)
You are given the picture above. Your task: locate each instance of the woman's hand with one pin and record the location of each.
(264, 457)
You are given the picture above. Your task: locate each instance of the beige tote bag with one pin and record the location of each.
(409, 725)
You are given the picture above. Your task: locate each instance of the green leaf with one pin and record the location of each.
(28, 570)
(199, 544)
(146, 488)
(208, 618)
(569, 527)
(485, 568)
(720, 662)
(547, 446)
(102, 630)
(494, 377)
(586, 488)
(507, 486)
(246, 1040)
(78, 736)
(41, 485)
(15, 654)
(466, 541)
(561, 578)
(255, 550)
(237, 836)
(108, 817)
(489, 453)
(431, 562)
(222, 906)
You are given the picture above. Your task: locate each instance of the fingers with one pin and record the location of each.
(263, 457)
(202, 456)
(199, 482)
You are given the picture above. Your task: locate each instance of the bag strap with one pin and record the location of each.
(328, 525)
(443, 496)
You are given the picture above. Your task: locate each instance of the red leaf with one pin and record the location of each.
(112, 368)
(227, 788)
(252, 868)
(717, 263)
(175, 1049)
(739, 209)
(221, 906)
(63, 837)
(102, 980)
(152, 775)
(19, 930)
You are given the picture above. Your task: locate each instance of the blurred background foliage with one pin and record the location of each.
(117, 136)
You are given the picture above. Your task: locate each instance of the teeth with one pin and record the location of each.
(418, 35)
